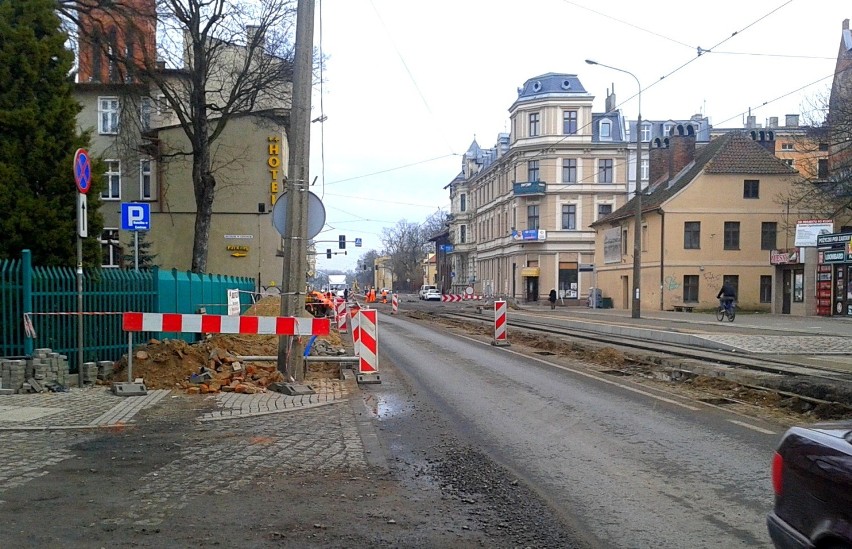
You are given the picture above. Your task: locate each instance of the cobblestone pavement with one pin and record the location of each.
(41, 430)
(785, 344)
(323, 438)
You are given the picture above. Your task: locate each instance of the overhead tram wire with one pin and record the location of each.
(410, 75)
(700, 53)
(393, 169)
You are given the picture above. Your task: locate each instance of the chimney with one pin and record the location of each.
(764, 138)
(792, 120)
(610, 100)
(658, 163)
(773, 122)
(682, 143)
(751, 121)
(253, 33)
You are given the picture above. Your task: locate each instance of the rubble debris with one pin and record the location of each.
(214, 365)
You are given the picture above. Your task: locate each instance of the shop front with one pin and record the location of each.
(834, 274)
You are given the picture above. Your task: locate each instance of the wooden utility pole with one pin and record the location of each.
(295, 247)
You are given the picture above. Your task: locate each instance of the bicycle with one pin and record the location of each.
(726, 309)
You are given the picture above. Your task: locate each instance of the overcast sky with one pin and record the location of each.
(409, 84)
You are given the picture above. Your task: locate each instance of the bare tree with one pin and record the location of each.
(213, 60)
(404, 245)
(824, 159)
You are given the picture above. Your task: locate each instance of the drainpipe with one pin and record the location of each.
(662, 255)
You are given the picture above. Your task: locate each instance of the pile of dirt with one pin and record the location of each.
(213, 364)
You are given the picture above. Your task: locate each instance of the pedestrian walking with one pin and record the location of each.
(552, 299)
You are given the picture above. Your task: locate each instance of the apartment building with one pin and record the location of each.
(137, 135)
(709, 215)
(521, 211)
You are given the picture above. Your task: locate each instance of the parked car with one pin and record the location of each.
(424, 288)
(433, 294)
(812, 480)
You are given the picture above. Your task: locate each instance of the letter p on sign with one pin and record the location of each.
(135, 216)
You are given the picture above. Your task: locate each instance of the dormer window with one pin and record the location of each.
(605, 129)
(645, 132)
(667, 128)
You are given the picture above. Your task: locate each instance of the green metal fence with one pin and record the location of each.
(48, 296)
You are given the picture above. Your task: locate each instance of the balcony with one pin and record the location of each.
(530, 188)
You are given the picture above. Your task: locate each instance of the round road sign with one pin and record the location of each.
(82, 171)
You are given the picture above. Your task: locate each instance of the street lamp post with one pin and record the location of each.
(637, 228)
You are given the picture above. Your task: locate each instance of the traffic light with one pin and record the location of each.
(342, 241)
(328, 253)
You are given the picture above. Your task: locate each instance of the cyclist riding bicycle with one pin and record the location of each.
(726, 296)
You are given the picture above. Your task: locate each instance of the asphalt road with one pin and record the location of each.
(623, 465)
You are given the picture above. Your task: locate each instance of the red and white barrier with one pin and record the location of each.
(219, 324)
(340, 315)
(455, 298)
(394, 304)
(500, 336)
(368, 363)
(356, 330)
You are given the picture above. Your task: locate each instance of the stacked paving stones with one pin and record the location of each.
(45, 367)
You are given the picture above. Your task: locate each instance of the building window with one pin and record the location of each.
(798, 285)
(605, 130)
(788, 162)
(569, 122)
(462, 202)
(532, 217)
(163, 106)
(462, 234)
(667, 128)
(690, 288)
(734, 281)
(605, 170)
(768, 235)
(569, 170)
(732, 235)
(108, 115)
(645, 169)
(110, 248)
(823, 147)
(145, 179)
(766, 288)
(786, 146)
(569, 217)
(822, 168)
(624, 242)
(751, 188)
(112, 180)
(604, 210)
(532, 171)
(534, 124)
(645, 133)
(146, 109)
(692, 235)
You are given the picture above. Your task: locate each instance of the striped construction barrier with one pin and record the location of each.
(340, 315)
(224, 324)
(394, 304)
(455, 298)
(500, 336)
(356, 331)
(368, 363)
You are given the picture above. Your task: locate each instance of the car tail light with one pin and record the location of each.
(777, 472)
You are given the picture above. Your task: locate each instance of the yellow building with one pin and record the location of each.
(708, 216)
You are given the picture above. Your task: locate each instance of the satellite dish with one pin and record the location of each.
(316, 215)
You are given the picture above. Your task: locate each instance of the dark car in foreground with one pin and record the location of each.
(812, 480)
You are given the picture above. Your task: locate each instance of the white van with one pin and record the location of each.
(424, 288)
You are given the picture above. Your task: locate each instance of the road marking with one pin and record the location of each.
(753, 427)
(592, 376)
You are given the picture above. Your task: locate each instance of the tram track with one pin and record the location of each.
(775, 374)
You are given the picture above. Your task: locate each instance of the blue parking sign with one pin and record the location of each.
(135, 216)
